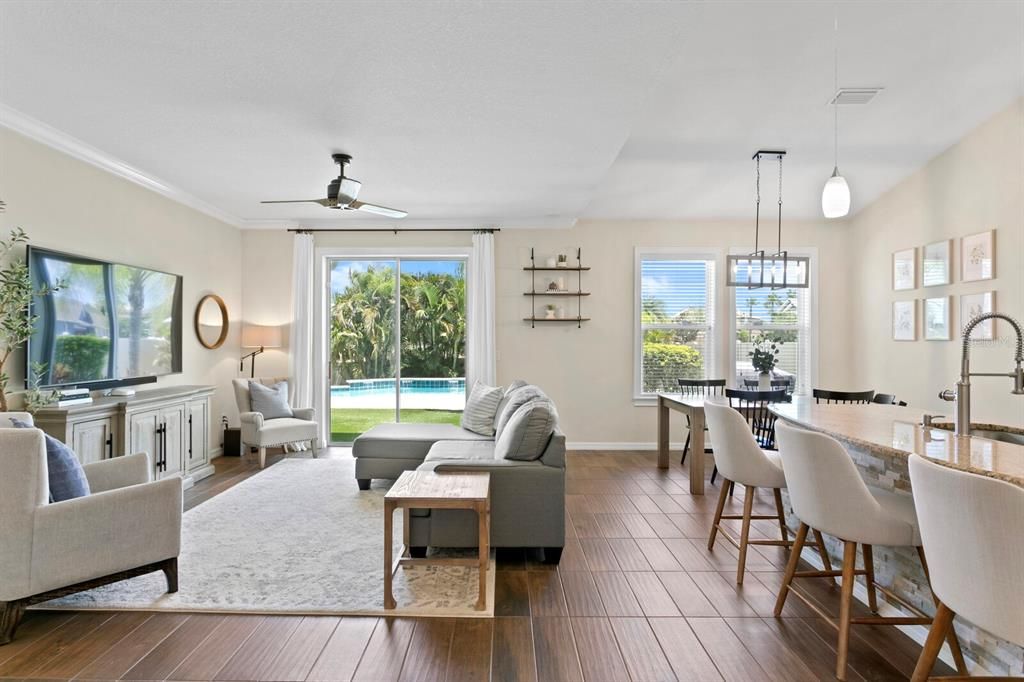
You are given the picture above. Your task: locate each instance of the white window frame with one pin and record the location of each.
(641, 254)
(811, 253)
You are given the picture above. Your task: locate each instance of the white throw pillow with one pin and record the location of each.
(483, 401)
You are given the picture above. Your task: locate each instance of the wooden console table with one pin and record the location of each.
(429, 490)
(692, 405)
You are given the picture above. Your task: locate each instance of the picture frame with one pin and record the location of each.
(904, 275)
(978, 256)
(937, 323)
(904, 320)
(936, 263)
(972, 305)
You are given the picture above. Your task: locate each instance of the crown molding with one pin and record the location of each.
(73, 147)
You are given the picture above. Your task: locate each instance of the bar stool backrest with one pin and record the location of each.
(972, 527)
(825, 489)
(753, 405)
(823, 395)
(737, 455)
(701, 386)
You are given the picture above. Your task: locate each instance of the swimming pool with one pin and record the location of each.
(420, 394)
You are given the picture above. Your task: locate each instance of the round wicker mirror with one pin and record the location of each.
(211, 321)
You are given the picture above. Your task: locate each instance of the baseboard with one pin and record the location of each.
(216, 452)
(650, 446)
(918, 633)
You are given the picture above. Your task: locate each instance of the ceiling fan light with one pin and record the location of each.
(835, 197)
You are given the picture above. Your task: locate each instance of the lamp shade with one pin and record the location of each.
(259, 335)
(835, 197)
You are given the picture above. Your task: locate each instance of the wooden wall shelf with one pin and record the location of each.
(579, 269)
(556, 319)
(540, 269)
(556, 293)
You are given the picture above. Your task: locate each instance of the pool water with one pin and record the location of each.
(420, 394)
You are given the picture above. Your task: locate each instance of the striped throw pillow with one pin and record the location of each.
(478, 416)
(527, 433)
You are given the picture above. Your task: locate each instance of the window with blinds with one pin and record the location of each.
(676, 325)
(774, 316)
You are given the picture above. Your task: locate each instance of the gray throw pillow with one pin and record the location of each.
(270, 401)
(517, 399)
(67, 478)
(527, 433)
(478, 416)
(512, 388)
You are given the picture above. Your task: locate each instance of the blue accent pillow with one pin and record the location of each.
(67, 478)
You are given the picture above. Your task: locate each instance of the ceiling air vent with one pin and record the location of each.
(854, 95)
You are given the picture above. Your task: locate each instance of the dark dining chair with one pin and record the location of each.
(784, 382)
(887, 399)
(828, 397)
(753, 405)
(695, 387)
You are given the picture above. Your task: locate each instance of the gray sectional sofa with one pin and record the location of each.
(527, 497)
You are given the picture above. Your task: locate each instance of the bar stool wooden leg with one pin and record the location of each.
(869, 566)
(820, 542)
(748, 509)
(846, 607)
(782, 515)
(722, 496)
(942, 624)
(951, 637)
(794, 559)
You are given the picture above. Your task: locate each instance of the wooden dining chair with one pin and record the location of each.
(698, 387)
(753, 405)
(784, 382)
(822, 395)
(887, 399)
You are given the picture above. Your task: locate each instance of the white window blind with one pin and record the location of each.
(676, 324)
(782, 317)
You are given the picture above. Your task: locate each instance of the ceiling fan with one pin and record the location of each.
(342, 193)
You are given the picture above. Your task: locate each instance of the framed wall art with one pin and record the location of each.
(937, 323)
(978, 256)
(972, 305)
(904, 320)
(936, 260)
(903, 269)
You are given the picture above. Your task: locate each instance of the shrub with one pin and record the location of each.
(664, 363)
(80, 358)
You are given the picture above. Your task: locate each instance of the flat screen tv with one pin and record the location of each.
(108, 325)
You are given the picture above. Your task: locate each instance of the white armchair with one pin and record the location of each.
(262, 433)
(129, 525)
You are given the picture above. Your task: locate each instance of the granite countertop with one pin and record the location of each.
(893, 430)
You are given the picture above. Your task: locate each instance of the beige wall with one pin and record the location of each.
(69, 205)
(588, 371)
(976, 185)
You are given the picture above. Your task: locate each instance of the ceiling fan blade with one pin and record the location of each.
(322, 202)
(379, 210)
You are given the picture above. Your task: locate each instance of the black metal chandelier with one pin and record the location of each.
(758, 269)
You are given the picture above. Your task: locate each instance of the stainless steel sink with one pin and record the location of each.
(1015, 436)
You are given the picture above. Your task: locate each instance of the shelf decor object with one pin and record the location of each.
(533, 293)
(935, 263)
(937, 325)
(904, 320)
(978, 257)
(759, 270)
(904, 275)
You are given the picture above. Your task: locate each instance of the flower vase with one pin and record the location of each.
(764, 381)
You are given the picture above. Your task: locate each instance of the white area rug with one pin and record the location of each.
(297, 538)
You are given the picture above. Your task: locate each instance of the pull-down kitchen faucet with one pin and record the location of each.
(962, 395)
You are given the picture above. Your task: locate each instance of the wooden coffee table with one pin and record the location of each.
(429, 490)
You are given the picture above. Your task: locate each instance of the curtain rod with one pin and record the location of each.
(395, 230)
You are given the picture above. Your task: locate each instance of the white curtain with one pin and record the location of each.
(301, 341)
(481, 356)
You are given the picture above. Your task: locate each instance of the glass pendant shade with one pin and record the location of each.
(835, 198)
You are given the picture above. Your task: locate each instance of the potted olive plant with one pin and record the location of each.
(764, 356)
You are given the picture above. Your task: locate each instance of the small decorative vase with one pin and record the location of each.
(764, 381)
(549, 314)
(550, 262)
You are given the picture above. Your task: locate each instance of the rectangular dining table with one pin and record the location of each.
(693, 406)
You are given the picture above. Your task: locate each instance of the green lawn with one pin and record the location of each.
(347, 423)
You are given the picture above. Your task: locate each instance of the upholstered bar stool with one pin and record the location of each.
(828, 495)
(740, 460)
(973, 531)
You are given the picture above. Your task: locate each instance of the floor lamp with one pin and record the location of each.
(260, 337)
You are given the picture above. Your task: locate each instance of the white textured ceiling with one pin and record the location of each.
(508, 113)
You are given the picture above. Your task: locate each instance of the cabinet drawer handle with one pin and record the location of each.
(190, 436)
(110, 446)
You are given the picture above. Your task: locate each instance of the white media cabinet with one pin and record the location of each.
(171, 425)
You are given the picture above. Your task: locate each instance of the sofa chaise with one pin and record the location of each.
(527, 497)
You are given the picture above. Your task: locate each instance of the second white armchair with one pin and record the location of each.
(262, 433)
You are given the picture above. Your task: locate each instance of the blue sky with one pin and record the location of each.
(679, 286)
(341, 270)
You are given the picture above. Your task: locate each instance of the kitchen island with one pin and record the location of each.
(880, 439)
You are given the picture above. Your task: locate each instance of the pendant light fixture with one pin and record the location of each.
(835, 197)
(759, 270)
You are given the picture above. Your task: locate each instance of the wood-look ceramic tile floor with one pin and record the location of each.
(637, 596)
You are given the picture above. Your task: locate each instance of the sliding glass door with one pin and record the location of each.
(396, 342)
